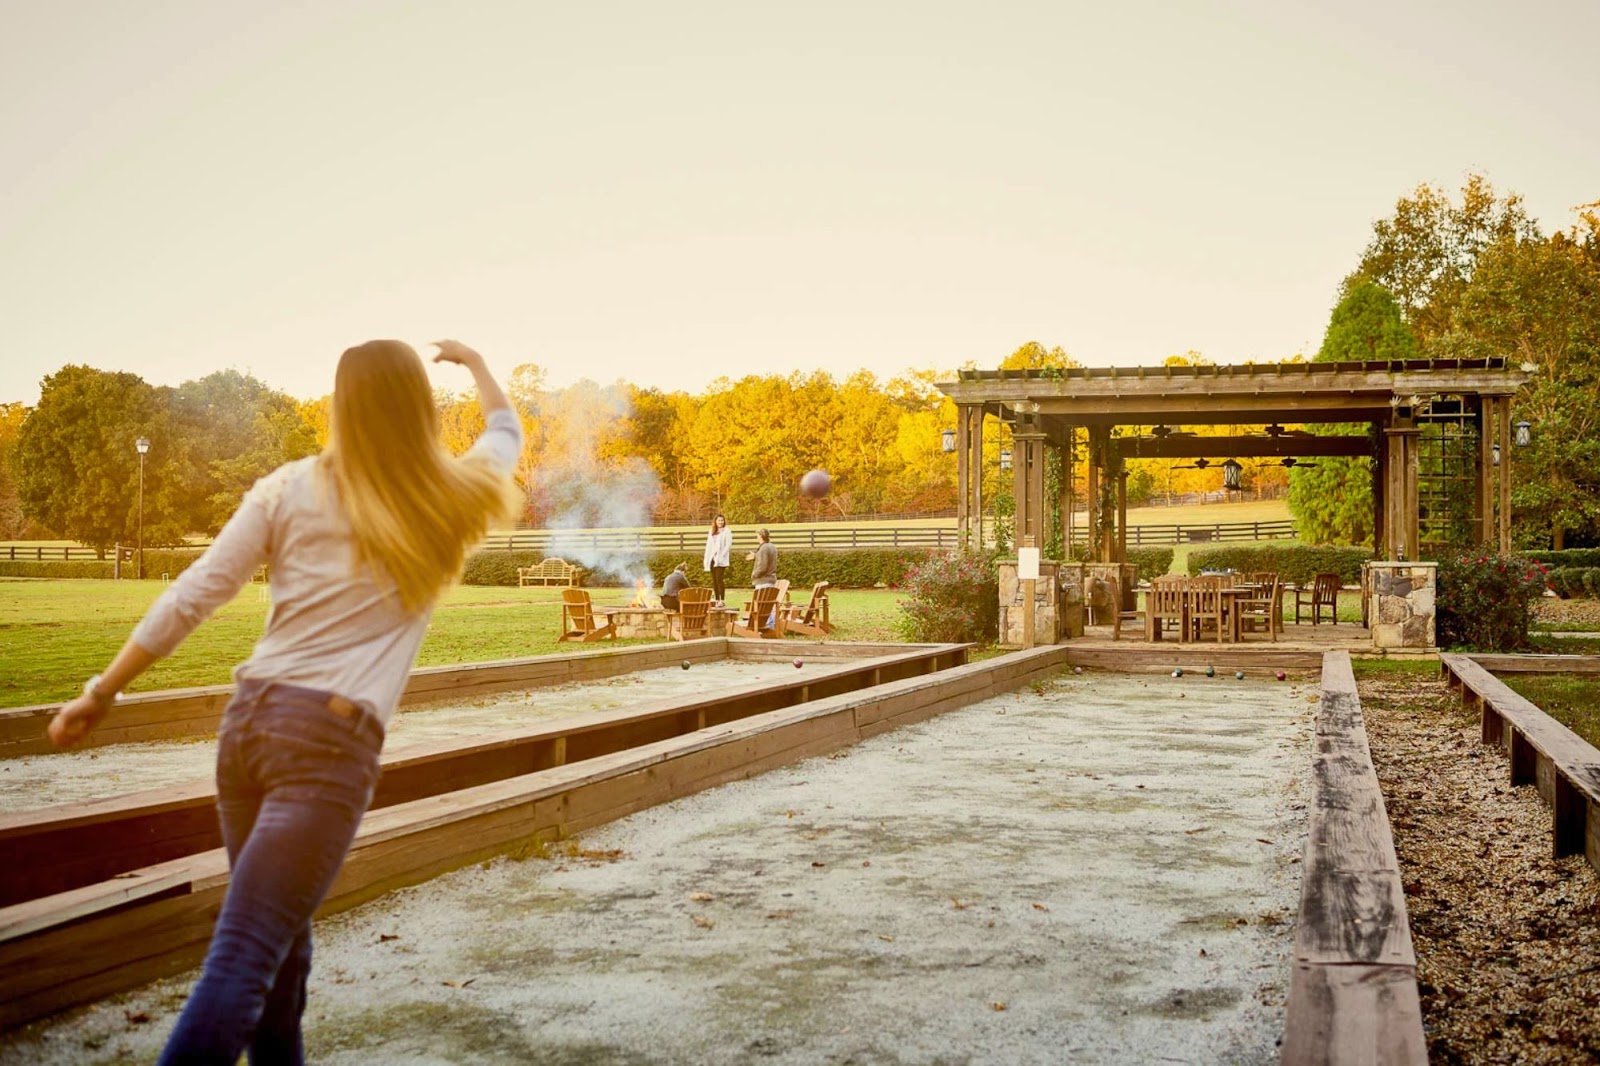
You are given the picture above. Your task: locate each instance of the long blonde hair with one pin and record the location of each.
(414, 509)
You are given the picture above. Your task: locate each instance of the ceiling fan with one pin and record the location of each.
(1292, 463)
(1198, 464)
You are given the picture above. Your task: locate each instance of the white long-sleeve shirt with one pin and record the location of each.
(718, 545)
(335, 625)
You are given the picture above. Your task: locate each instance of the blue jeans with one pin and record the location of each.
(293, 780)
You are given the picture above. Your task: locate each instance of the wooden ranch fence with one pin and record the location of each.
(838, 539)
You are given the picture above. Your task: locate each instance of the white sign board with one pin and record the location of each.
(1027, 564)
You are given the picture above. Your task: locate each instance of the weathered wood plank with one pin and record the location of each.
(1353, 997)
(1353, 1016)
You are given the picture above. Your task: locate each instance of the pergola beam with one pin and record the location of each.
(1287, 445)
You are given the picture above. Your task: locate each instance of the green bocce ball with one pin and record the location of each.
(1211, 671)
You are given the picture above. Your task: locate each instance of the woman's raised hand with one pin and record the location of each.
(458, 353)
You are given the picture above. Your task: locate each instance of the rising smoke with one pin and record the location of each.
(583, 490)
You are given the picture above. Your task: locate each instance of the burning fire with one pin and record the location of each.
(642, 596)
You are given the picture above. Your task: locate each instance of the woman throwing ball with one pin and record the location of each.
(361, 540)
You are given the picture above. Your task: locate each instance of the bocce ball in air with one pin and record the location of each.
(815, 484)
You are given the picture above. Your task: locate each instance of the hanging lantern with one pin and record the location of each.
(1231, 471)
(947, 440)
(1005, 458)
(1495, 448)
(1524, 434)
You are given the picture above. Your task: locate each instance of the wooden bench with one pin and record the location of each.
(550, 572)
(1543, 752)
(1353, 992)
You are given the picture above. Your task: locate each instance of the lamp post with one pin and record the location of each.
(142, 445)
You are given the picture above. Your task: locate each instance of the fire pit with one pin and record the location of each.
(646, 623)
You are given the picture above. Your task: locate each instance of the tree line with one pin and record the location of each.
(1439, 278)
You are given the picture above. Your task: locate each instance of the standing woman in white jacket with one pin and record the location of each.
(361, 541)
(719, 542)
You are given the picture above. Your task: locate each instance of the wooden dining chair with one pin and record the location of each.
(1323, 593)
(1166, 602)
(1263, 608)
(1204, 599)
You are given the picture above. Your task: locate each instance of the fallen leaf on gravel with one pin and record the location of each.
(888, 939)
(1192, 832)
(959, 904)
(702, 897)
(702, 921)
(136, 1017)
(997, 1005)
(384, 938)
(819, 864)
(781, 914)
(1262, 840)
(866, 862)
(1040, 907)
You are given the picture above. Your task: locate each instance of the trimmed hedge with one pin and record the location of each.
(1582, 558)
(1295, 563)
(1582, 582)
(859, 568)
(157, 561)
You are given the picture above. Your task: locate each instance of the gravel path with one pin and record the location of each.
(1102, 869)
(1507, 938)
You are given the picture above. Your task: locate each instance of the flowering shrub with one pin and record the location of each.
(1485, 600)
(952, 597)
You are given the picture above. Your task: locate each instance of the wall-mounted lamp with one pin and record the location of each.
(947, 440)
(1005, 458)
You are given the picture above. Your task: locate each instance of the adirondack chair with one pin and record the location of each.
(762, 617)
(1165, 602)
(578, 621)
(1204, 601)
(810, 618)
(1263, 609)
(694, 614)
(1323, 593)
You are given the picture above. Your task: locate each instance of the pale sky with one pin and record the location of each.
(671, 192)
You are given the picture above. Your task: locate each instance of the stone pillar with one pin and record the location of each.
(1400, 604)
(1058, 609)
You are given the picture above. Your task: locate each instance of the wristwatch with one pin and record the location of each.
(91, 688)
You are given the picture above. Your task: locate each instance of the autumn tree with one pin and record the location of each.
(1332, 501)
(77, 469)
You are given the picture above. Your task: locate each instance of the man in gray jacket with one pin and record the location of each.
(764, 565)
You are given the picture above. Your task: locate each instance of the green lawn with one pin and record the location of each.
(54, 634)
(1571, 699)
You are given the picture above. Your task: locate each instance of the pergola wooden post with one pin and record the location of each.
(1067, 501)
(1027, 468)
(1505, 473)
(1400, 499)
(969, 475)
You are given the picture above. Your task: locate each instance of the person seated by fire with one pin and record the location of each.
(675, 583)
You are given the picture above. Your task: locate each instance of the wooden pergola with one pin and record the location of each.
(1397, 402)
